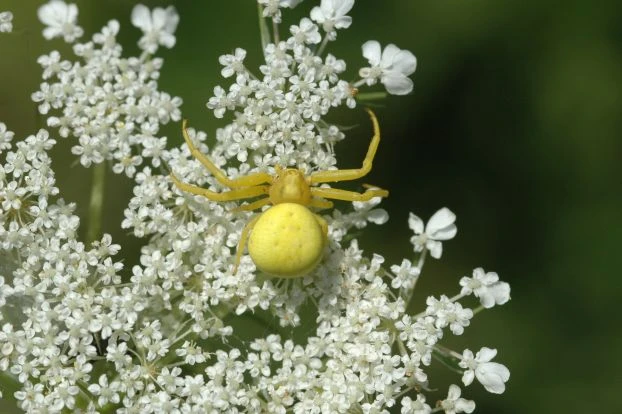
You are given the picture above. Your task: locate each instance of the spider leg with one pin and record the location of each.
(321, 204)
(352, 174)
(253, 205)
(236, 194)
(245, 181)
(338, 194)
(242, 243)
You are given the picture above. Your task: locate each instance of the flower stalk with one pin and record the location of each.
(96, 204)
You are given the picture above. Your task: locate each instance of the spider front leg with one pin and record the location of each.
(352, 174)
(254, 205)
(232, 195)
(320, 204)
(337, 194)
(245, 181)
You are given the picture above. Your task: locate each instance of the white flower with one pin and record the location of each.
(440, 227)
(454, 404)
(392, 66)
(52, 65)
(491, 375)
(272, 7)
(232, 64)
(405, 275)
(60, 19)
(104, 391)
(306, 33)
(415, 407)
(449, 313)
(158, 26)
(331, 14)
(368, 212)
(487, 287)
(6, 22)
(5, 137)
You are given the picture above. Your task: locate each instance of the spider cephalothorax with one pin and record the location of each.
(288, 239)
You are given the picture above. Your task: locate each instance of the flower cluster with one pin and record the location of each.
(109, 103)
(57, 302)
(81, 331)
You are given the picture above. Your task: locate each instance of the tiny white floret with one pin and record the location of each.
(6, 22)
(454, 404)
(331, 14)
(491, 375)
(157, 25)
(440, 227)
(487, 287)
(417, 406)
(60, 19)
(392, 66)
(271, 8)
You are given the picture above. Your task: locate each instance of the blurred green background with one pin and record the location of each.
(513, 124)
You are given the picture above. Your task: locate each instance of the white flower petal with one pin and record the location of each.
(415, 223)
(485, 297)
(290, 3)
(341, 7)
(167, 40)
(405, 62)
(158, 18)
(466, 406)
(454, 392)
(378, 216)
(501, 292)
(492, 376)
(485, 354)
(372, 52)
(52, 13)
(435, 248)
(50, 33)
(468, 377)
(343, 22)
(72, 12)
(317, 14)
(441, 225)
(478, 273)
(141, 17)
(388, 56)
(172, 19)
(396, 83)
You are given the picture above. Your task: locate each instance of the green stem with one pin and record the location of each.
(97, 202)
(447, 358)
(371, 96)
(275, 31)
(320, 50)
(263, 30)
(408, 295)
(478, 310)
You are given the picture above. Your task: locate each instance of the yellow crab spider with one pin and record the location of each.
(287, 240)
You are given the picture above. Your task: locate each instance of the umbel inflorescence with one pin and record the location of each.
(85, 328)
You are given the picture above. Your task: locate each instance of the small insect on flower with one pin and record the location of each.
(288, 239)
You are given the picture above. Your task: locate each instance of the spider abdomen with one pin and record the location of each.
(287, 240)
